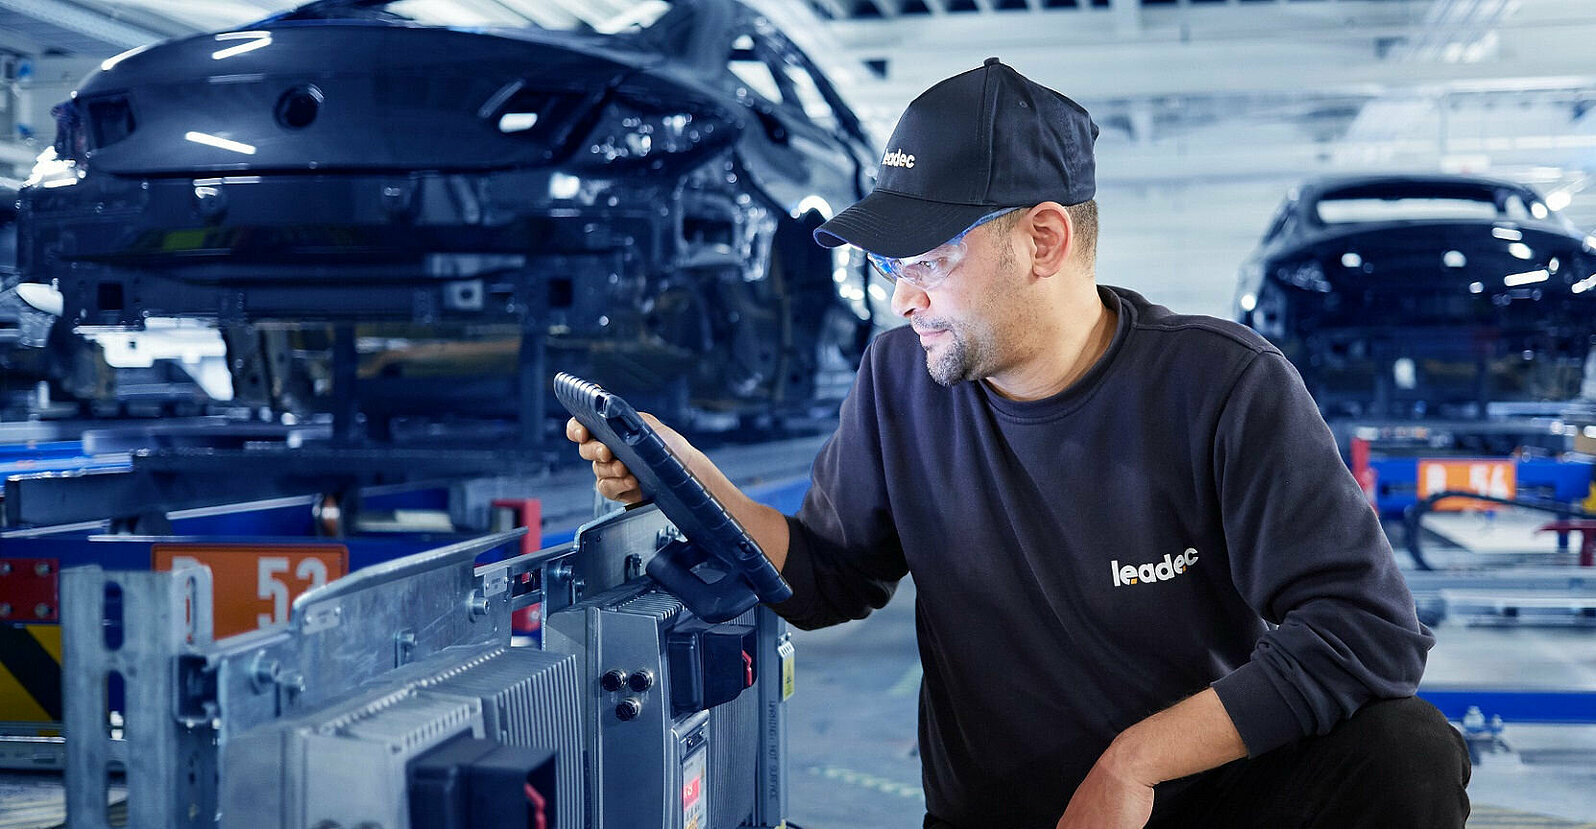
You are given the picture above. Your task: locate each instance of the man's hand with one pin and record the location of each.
(1192, 735)
(1109, 798)
(615, 481)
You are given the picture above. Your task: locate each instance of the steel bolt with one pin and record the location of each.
(629, 709)
(42, 611)
(264, 672)
(5, 568)
(42, 568)
(613, 680)
(5, 610)
(292, 681)
(640, 681)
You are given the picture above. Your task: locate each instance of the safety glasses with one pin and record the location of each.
(929, 269)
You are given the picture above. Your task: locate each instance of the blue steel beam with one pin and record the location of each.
(1515, 706)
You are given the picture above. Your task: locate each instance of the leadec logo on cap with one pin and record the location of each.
(897, 158)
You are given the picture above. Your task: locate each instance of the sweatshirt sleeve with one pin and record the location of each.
(844, 559)
(1309, 555)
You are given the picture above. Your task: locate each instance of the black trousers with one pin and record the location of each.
(1395, 764)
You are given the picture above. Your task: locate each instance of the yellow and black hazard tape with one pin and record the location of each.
(30, 673)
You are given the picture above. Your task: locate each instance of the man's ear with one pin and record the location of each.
(1052, 237)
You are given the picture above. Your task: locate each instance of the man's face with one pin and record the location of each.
(967, 322)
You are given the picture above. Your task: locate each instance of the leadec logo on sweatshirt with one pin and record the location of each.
(1170, 567)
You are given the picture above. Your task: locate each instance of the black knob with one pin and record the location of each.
(628, 709)
(613, 680)
(641, 681)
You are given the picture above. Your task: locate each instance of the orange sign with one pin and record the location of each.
(1496, 478)
(254, 584)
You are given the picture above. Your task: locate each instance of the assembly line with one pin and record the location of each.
(795, 414)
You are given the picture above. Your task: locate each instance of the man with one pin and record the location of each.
(1149, 591)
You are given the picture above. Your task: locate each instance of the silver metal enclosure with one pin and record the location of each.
(315, 723)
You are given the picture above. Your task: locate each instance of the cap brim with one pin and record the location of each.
(894, 225)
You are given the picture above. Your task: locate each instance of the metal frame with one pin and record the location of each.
(1415, 513)
(210, 720)
(215, 691)
(162, 481)
(162, 613)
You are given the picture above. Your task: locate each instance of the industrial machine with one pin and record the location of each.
(396, 697)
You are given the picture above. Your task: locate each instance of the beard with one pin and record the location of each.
(962, 356)
(974, 346)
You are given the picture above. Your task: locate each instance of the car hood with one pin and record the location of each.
(345, 96)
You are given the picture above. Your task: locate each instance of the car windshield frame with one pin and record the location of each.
(1427, 201)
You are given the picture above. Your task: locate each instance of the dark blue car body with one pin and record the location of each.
(1424, 296)
(627, 200)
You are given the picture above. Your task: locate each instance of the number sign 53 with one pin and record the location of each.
(254, 584)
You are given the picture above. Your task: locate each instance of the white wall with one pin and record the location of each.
(1180, 245)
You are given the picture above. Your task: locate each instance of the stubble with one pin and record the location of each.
(970, 351)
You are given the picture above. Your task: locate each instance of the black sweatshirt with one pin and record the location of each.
(1087, 560)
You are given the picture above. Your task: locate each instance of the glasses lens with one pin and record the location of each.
(925, 270)
(933, 267)
(930, 268)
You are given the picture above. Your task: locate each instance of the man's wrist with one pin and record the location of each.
(1127, 757)
(1193, 735)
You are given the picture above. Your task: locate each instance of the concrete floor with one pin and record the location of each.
(851, 731)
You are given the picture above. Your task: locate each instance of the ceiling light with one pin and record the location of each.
(1454, 259)
(1508, 234)
(1520, 250)
(1351, 260)
(1514, 280)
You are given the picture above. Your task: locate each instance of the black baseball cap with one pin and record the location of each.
(975, 143)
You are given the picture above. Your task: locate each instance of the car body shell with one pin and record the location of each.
(627, 200)
(1427, 315)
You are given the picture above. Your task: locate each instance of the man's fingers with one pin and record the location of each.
(613, 480)
(595, 451)
(610, 469)
(623, 489)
